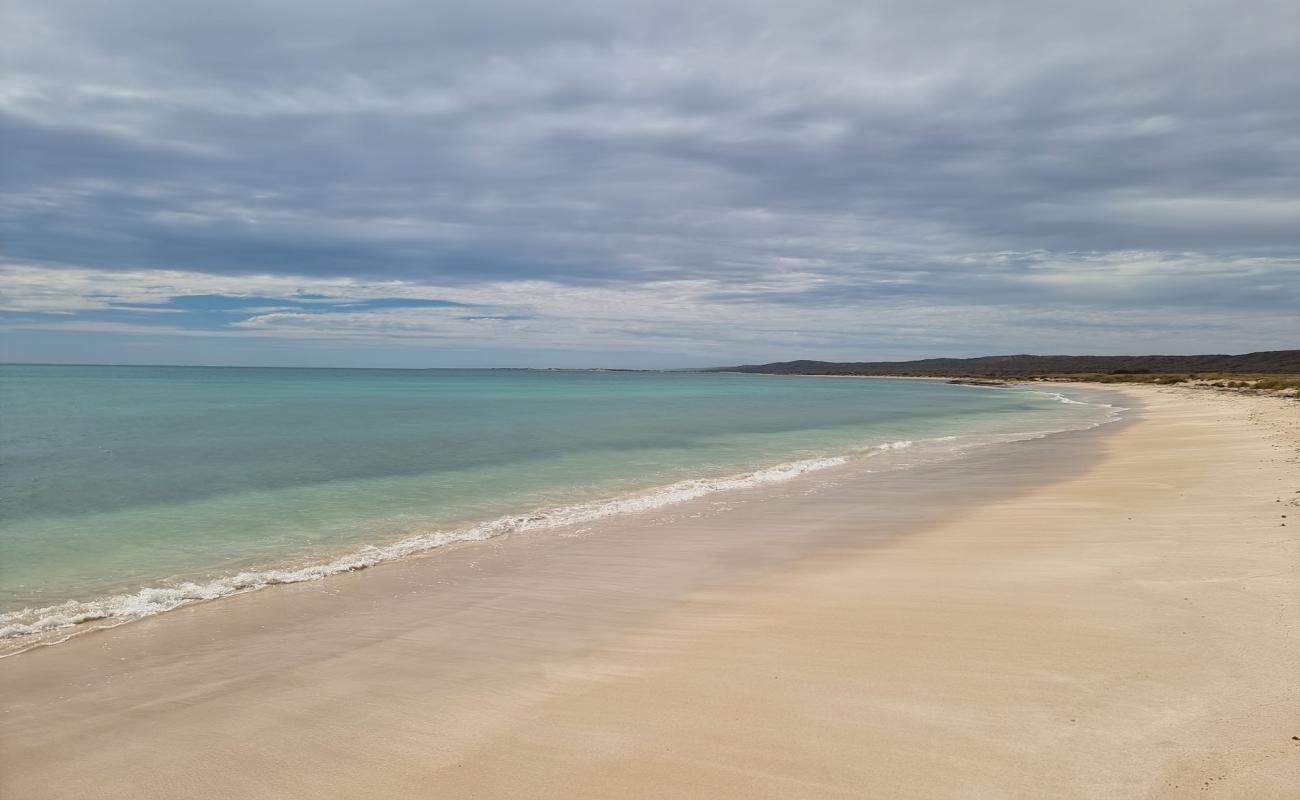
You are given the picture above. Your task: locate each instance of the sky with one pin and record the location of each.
(645, 184)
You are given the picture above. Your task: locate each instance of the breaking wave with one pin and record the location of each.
(40, 623)
(155, 600)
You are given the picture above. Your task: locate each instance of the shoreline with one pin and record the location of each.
(1056, 617)
(51, 625)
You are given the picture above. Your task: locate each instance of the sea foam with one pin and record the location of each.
(155, 600)
(119, 608)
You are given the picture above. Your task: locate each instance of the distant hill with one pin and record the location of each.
(1270, 362)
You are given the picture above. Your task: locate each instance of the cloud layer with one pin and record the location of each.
(648, 183)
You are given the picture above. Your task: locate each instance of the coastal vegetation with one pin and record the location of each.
(1274, 372)
(1281, 385)
(1273, 383)
(1267, 363)
(1285, 385)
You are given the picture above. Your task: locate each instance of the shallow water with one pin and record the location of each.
(128, 490)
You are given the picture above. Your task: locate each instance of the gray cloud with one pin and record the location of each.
(984, 161)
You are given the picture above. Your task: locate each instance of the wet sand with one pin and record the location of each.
(1107, 613)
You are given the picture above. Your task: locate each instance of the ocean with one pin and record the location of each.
(128, 491)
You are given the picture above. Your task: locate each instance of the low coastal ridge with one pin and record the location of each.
(1272, 370)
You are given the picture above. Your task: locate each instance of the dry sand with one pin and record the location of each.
(1113, 613)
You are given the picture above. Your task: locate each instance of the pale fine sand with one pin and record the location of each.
(1108, 614)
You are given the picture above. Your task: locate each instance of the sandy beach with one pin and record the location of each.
(1096, 614)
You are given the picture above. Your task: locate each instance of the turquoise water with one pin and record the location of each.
(115, 480)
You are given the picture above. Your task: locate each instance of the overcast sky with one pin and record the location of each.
(476, 182)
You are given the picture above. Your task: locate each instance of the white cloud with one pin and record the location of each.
(697, 320)
(817, 178)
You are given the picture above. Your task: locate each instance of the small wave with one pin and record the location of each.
(1061, 398)
(899, 445)
(117, 609)
(156, 600)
